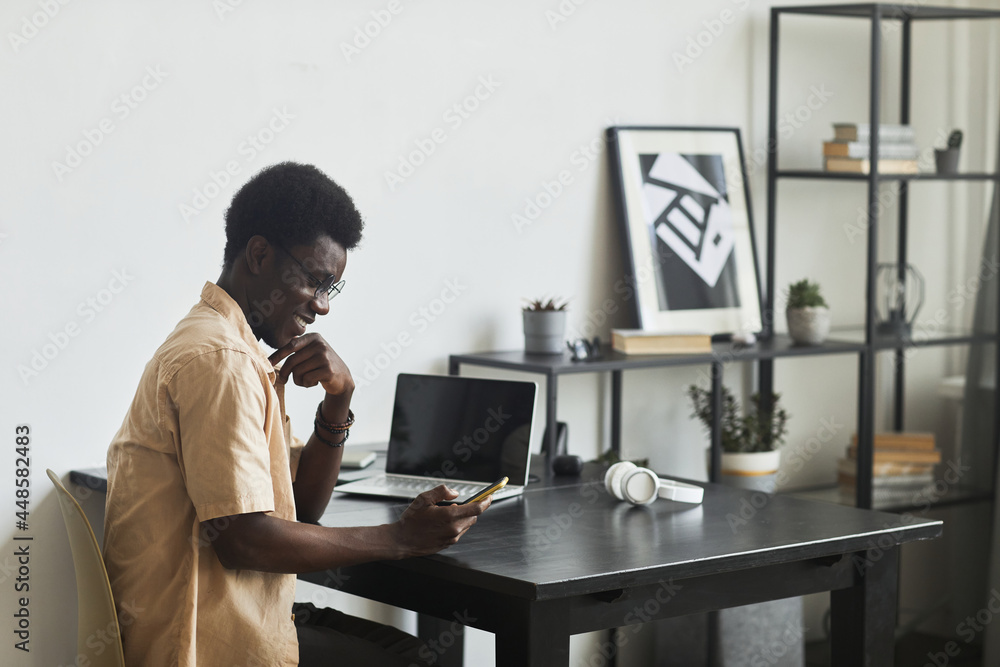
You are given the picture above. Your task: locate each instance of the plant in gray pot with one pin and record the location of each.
(544, 326)
(807, 313)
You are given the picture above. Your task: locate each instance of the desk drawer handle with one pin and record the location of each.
(829, 561)
(610, 596)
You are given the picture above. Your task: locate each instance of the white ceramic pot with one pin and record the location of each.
(544, 331)
(808, 326)
(751, 470)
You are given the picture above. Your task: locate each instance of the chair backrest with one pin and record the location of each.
(96, 615)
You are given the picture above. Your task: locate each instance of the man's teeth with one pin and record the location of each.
(301, 322)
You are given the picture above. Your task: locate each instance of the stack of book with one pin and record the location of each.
(637, 341)
(849, 151)
(902, 470)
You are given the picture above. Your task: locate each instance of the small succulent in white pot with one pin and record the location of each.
(807, 313)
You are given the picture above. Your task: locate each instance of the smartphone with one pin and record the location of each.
(487, 491)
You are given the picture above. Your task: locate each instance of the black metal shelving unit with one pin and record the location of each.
(871, 343)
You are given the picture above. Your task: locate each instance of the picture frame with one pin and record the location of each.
(683, 207)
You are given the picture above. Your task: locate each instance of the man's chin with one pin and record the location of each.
(275, 338)
(272, 341)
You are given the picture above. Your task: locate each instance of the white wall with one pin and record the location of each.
(226, 75)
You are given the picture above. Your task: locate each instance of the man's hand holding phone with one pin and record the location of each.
(427, 527)
(485, 492)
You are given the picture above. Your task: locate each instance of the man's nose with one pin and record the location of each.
(321, 303)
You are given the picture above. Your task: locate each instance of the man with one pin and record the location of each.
(211, 505)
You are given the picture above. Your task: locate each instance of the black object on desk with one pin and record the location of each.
(567, 465)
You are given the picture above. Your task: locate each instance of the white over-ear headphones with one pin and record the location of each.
(641, 486)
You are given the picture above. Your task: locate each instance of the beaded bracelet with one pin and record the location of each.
(336, 429)
(346, 433)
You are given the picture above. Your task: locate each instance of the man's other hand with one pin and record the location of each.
(311, 361)
(426, 528)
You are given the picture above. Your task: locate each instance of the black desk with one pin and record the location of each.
(568, 558)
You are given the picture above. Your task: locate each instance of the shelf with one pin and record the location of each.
(820, 174)
(845, 341)
(954, 495)
(919, 339)
(560, 364)
(893, 11)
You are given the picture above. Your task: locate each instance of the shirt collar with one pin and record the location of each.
(220, 301)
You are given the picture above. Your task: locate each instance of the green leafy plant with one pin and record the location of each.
(805, 294)
(546, 304)
(758, 430)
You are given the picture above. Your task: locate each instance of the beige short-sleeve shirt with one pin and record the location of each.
(206, 437)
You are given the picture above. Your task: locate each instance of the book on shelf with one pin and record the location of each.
(847, 466)
(637, 341)
(887, 132)
(891, 481)
(922, 441)
(846, 165)
(859, 150)
(899, 455)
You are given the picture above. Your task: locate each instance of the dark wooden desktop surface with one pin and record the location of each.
(567, 558)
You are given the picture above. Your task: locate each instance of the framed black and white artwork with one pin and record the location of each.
(684, 210)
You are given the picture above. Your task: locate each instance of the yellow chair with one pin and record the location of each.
(98, 635)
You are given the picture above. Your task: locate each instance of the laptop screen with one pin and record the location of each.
(462, 428)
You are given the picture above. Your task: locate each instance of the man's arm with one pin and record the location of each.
(311, 361)
(258, 541)
(319, 464)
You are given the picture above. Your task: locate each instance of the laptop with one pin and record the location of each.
(461, 431)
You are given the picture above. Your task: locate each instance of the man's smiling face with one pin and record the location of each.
(289, 304)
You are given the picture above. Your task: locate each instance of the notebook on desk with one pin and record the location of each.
(460, 431)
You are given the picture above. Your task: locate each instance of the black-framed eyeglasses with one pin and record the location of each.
(329, 286)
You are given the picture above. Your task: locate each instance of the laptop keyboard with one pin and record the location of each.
(415, 487)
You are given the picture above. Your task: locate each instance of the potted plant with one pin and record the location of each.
(544, 326)
(807, 313)
(750, 439)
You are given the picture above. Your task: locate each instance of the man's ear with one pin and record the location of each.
(259, 254)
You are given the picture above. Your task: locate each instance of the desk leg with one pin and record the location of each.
(534, 635)
(445, 638)
(864, 616)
